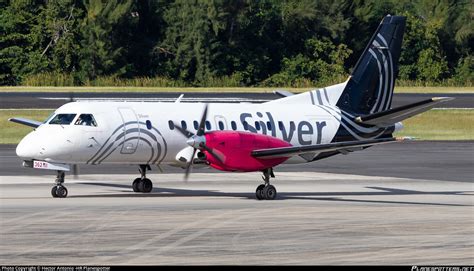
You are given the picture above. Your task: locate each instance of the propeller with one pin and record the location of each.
(197, 141)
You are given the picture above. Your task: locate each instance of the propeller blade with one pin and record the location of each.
(202, 124)
(215, 155)
(188, 166)
(183, 131)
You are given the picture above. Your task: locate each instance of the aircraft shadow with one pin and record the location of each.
(163, 192)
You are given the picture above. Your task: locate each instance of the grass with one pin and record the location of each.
(12, 133)
(216, 89)
(440, 124)
(434, 90)
(432, 125)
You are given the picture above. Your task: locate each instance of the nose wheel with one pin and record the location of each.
(59, 190)
(142, 184)
(266, 191)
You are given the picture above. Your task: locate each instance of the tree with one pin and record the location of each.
(58, 30)
(191, 43)
(103, 41)
(422, 57)
(17, 46)
(232, 42)
(322, 62)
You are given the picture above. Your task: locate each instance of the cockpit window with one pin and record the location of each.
(86, 119)
(63, 119)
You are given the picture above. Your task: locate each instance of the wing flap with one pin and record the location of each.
(337, 146)
(27, 122)
(394, 115)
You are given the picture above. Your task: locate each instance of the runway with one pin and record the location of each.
(55, 100)
(318, 218)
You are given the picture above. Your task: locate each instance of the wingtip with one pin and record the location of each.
(442, 99)
(404, 138)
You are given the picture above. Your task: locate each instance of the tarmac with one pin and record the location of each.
(318, 218)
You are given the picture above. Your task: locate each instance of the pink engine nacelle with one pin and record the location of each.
(235, 149)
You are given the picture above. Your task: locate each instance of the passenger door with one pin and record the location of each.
(130, 130)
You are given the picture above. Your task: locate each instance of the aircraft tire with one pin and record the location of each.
(61, 191)
(269, 192)
(259, 192)
(53, 191)
(135, 185)
(145, 185)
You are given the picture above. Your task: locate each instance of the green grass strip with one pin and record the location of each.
(440, 124)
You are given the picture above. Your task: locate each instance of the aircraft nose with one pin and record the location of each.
(26, 149)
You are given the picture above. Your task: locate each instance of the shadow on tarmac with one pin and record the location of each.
(163, 192)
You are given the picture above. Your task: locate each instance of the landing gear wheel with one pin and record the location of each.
(266, 191)
(259, 192)
(145, 186)
(142, 184)
(53, 191)
(59, 191)
(269, 192)
(135, 185)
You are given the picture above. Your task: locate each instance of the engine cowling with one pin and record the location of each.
(235, 149)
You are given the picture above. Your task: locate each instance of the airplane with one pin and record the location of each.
(301, 128)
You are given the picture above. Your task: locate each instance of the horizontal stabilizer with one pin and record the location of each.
(343, 147)
(394, 115)
(27, 122)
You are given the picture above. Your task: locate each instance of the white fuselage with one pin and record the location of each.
(140, 132)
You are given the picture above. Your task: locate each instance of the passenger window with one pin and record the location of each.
(196, 125)
(221, 125)
(64, 119)
(171, 124)
(183, 124)
(208, 125)
(257, 125)
(148, 124)
(281, 126)
(269, 125)
(234, 125)
(86, 120)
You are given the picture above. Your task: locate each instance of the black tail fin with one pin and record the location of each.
(370, 86)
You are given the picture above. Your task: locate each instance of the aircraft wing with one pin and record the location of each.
(394, 115)
(343, 147)
(27, 122)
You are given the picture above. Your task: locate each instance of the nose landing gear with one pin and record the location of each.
(142, 184)
(266, 191)
(59, 190)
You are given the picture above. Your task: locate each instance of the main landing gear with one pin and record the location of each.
(266, 191)
(143, 184)
(59, 190)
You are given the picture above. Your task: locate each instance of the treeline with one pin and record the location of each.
(229, 43)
